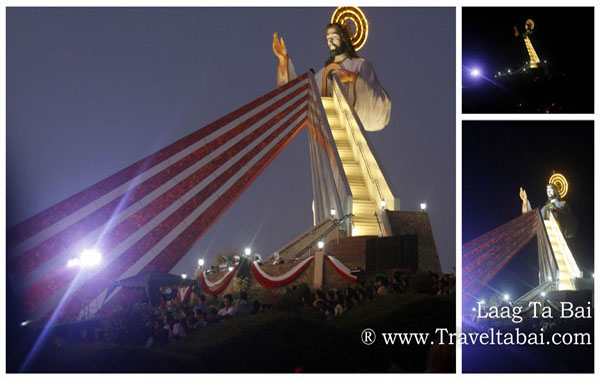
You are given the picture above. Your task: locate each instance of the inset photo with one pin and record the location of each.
(528, 60)
(528, 247)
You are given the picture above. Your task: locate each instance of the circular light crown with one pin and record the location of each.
(345, 15)
(530, 23)
(561, 184)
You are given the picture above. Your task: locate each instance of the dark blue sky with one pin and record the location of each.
(92, 90)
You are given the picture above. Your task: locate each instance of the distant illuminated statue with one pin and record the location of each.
(556, 189)
(533, 57)
(370, 100)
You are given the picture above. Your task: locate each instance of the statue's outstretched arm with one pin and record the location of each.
(526, 206)
(285, 69)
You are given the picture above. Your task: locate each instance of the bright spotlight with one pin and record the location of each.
(247, 251)
(473, 309)
(332, 212)
(230, 269)
(320, 244)
(499, 73)
(508, 71)
(549, 278)
(475, 73)
(423, 206)
(382, 203)
(184, 276)
(200, 262)
(90, 258)
(73, 263)
(543, 294)
(506, 297)
(25, 323)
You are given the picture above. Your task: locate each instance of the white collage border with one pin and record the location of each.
(459, 118)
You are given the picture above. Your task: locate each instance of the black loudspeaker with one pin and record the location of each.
(394, 252)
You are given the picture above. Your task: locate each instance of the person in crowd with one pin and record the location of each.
(201, 306)
(228, 309)
(212, 317)
(243, 306)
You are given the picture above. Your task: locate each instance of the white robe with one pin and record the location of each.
(372, 103)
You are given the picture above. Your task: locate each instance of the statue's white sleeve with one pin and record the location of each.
(373, 105)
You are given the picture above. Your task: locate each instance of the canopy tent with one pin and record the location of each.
(150, 281)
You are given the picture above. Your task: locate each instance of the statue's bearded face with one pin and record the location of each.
(551, 192)
(334, 39)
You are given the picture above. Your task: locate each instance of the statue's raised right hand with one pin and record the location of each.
(279, 47)
(523, 195)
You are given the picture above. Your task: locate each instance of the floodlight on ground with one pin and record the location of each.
(200, 262)
(423, 206)
(73, 263)
(184, 276)
(506, 297)
(332, 212)
(247, 251)
(90, 258)
(475, 73)
(320, 244)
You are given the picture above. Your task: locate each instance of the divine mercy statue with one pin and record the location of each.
(370, 100)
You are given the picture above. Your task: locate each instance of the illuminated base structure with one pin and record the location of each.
(147, 216)
(486, 255)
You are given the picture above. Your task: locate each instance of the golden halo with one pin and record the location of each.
(346, 15)
(561, 184)
(530, 23)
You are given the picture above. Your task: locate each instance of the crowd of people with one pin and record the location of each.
(320, 304)
(173, 320)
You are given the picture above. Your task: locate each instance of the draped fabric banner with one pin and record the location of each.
(219, 285)
(147, 216)
(271, 282)
(341, 269)
(484, 256)
(183, 294)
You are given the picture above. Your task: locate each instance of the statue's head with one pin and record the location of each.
(552, 192)
(339, 42)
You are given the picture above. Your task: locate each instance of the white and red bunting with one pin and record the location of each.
(343, 270)
(270, 282)
(219, 285)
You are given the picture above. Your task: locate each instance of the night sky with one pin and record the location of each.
(91, 90)
(498, 158)
(563, 36)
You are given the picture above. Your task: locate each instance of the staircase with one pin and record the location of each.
(567, 268)
(363, 205)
